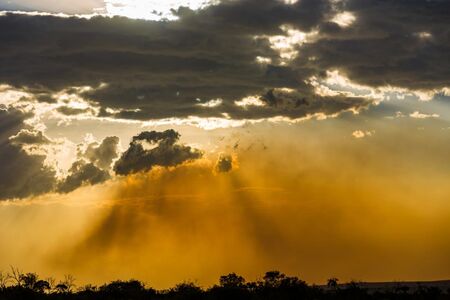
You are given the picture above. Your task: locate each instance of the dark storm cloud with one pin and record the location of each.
(162, 150)
(256, 16)
(21, 174)
(162, 69)
(403, 43)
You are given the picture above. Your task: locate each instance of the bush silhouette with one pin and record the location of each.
(274, 285)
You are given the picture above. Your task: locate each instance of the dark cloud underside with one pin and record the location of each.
(21, 174)
(102, 154)
(80, 174)
(164, 151)
(400, 43)
(162, 69)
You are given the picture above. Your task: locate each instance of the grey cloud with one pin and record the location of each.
(294, 104)
(257, 16)
(163, 151)
(24, 175)
(159, 69)
(384, 45)
(92, 167)
(224, 164)
(80, 174)
(70, 111)
(21, 174)
(102, 155)
(30, 137)
(94, 162)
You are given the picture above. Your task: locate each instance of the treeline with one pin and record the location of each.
(274, 285)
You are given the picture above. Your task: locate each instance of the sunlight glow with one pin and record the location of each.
(151, 9)
(424, 35)
(211, 103)
(344, 19)
(287, 43)
(263, 60)
(250, 101)
(419, 115)
(335, 83)
(9, 95)
(359, 134)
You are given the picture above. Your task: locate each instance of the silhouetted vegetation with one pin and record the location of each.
(274, 285)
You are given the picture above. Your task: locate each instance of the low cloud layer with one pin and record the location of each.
(163, 151)
(25, 173)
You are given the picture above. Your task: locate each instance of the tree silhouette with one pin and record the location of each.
(118, 289)
(332, 283)
(41, 286)
(231, 281)
(28, 280)
(187, 288)
(273, 278)
(15, 275)
(66, 285)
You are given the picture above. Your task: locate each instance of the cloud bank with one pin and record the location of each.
(229, 51)
(25, 172)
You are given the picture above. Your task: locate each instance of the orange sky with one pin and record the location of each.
(312, 207)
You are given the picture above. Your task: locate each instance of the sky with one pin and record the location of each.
(184, 140)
